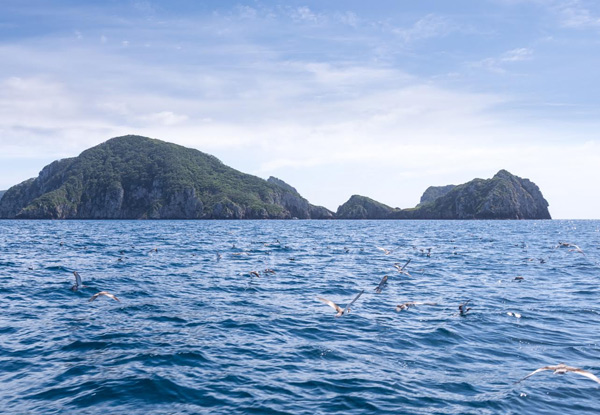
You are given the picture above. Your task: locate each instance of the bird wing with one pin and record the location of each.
(93, 297)
(114, 297)
(404, 266)
(77, 278)
(331, 304)
(586, 374)
(381, 283)
(109, 295)
(538, 371)
(355, 298)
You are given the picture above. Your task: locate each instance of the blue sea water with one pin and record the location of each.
(196, 334)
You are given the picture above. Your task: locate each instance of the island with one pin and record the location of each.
(135, 177)
(504, 196)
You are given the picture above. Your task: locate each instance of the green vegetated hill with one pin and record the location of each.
(504, 196)
(135, 177)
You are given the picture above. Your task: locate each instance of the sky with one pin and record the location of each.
(336, 97)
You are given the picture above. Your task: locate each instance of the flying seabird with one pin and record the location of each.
(561, 369)
(519, 279)
(577, 249)
(382, 284)
(401, 269)
(340, 311)
(385, 251)
(254, 273)
(463, 308)
(269, 271)
(516, 315)
(407, 305)
(109, 295)
(78, 283)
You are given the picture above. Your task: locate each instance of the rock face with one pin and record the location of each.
(135, 177)
(433, 192)
(361, 207)
(297, 205)
(504, 196)
(2, 193)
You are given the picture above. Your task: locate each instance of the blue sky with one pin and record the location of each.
(380, 98)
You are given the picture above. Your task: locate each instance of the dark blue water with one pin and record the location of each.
(193, 334)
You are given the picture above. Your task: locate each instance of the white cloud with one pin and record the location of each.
(498, 64)
(573, 14)
(305, 14)
(430, 26)
(167, 118)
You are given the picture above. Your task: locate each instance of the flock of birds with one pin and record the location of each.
(463, 308)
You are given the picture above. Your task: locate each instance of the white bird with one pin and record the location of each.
(577, 249)
(385, 251)
(561, 369)
(340, 311)
(516, 315)
(402, 269)
(109, 295)
(407, 305)
(78, 283)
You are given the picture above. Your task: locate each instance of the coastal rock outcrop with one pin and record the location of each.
(433, 192)
(504, 196)
(134, 177)
(362, 207)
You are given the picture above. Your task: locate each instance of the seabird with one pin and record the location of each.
(516, 315)
(109, 295)
(385, 251)
(463, 308)
(561, 369)
(577, 249)
(340, 311)
(519, 278)
(407, 305)
(269, 271)
(382, 284)
(254, 273)
(401, 269)
(78, 283)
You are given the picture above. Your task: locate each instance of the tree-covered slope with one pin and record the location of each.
(504, 196)
(362, 207)
(135, 177)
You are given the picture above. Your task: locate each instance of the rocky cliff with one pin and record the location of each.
(2, 193)
(135, 177)
(504, 196)
(433, 192)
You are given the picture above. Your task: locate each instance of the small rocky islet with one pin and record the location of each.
(134, 177)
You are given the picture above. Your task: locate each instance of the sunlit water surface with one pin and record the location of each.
(194, 334)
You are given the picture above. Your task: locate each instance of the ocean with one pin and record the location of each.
(194, 332)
